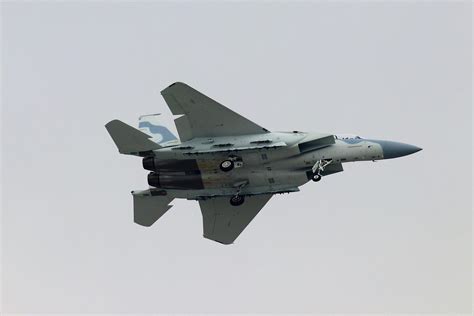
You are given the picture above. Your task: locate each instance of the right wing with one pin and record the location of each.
(223, 222)
(204, 117)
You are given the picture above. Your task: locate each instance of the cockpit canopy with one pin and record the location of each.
(347, 136)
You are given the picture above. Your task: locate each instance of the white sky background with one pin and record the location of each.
(391, 236)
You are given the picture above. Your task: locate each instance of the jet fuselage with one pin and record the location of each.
(229, 164)
(276, 162)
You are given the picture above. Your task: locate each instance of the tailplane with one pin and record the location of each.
(150, 205)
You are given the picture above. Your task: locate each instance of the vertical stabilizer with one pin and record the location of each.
(129, 140)
(150, 125)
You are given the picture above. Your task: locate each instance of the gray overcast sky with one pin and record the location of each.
(391, 236)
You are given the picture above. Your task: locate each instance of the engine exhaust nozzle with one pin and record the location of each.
(154, 179)
(149, 163)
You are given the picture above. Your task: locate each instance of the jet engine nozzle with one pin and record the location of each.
(149, 163)
(153, 179)
(169, 165)
(176, 180)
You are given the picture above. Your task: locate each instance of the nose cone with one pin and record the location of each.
(395, 150)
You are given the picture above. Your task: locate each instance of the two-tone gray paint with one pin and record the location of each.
(269, 168)
(231, 165)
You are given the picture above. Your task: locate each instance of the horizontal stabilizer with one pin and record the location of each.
(129, 140)
(148, 207)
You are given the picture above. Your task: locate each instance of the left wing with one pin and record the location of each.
(223, 222)
(204, 117)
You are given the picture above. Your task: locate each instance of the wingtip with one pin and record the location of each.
(223, 242)
(174, 84)
(112, 122)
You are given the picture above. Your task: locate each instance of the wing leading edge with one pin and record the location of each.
(223, 222)
(204, 117)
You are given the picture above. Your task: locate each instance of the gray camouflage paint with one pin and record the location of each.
(272, 169)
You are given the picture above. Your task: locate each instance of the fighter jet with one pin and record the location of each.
(229, 164)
